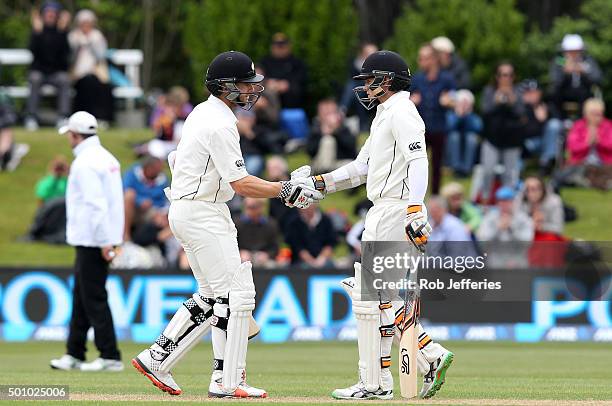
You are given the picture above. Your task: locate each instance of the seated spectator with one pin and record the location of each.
(572, 76)
(461, 208)
(286, 74)
(452, 62)
(348, 101)
(544, 207)
(251, 144)
(11, 153)
(589, 147)
(50, 49)
(312, 238)
(330, 144)
(143, 185)
(353, 237)
(542, 126)
(277, 170)
(464, 127)
(267, 113)
(89, 69)
(258, 235)
(167, 122)
(449, 237)
(502, 110)
(53, 184)
(155, 235)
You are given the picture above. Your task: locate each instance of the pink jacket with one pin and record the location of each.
(578, 142)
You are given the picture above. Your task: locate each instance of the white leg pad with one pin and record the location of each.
(241, 304)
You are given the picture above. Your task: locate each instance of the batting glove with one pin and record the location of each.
(417, 227)
(298, 193)
(302, 175)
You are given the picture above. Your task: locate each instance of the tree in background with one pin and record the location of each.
(323, 33)
(484, 32)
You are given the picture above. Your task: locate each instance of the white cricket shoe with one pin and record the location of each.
(359, 392)
(146, 365)
(433, 380)
(244, 390)
(66, 363)
(102, 365)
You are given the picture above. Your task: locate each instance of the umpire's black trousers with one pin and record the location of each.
(90, 306)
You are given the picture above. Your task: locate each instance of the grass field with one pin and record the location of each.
(483, 373)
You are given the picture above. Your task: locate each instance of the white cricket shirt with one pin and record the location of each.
(208, 156)
(397, 136)
(94, 197)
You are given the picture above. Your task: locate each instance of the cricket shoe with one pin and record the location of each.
(359, 392)
(244, 390)
(433, 380)
(145, 364)
(102, 365)
(66, 363)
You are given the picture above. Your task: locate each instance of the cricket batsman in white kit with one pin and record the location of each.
(393, 165)
(208, 168)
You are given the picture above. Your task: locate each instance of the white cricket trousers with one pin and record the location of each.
(208, 236)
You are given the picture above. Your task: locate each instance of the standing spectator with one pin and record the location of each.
(502, 110)
(94, 208)
(430, 92)
(286, 74)
(452, 62)
(89, 69)
(11, 153)
(504, 222)
(461, 208)
(330, 144)
(144, 185)
(258, 234)
(312, 238)
(348, 100)
(50, 49)
(53, 185)
(543, 206)
(573, 75)
(464, 127)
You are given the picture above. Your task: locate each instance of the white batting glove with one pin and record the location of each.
(298, 193)
(302, 175)
(417, 227)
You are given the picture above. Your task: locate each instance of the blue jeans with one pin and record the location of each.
(462, 141)
(548, 143)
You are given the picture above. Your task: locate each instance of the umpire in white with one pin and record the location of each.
(94, 209)
(208, 169)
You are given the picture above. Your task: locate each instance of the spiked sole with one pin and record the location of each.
(440, 376)
(145, 371)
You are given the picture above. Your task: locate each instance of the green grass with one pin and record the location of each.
(18, 203)
(482, 370)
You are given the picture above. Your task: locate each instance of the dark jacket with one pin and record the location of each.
(262, 235)
(345, 143)
(51, 50)
(293, 70)
(301, 237)
(461, 72)
(503, 122)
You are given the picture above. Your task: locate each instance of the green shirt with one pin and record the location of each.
(50, 187)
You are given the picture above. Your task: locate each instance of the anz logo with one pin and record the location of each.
(414, 146)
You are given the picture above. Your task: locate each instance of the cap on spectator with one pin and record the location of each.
(280, 38)
(80, 122)
(85, 15)
(53, 5)
(451, 189)
(443, 44)
(572, 42)
(504, 193)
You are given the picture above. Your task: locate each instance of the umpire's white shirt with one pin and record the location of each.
(397, 136)
(208, 157)
(94, 197)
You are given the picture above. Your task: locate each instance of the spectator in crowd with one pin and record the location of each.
(543, 206)
(589, 147)
(251, 142)
(573, 75)
(267, 114)
(286, 74)
(461, 208)
(452, 62)
(53, 184)
(330, 144)
(312, 238)
(258, 235)
(502, 110)
(154, 234)
(348, 100)
(11, 153)
(51, 52)
(464, 127)
(353, 237)
(449, 236)
(430, 92)
(504, 222)
(143, 185)
(89, 70)
(278, 169)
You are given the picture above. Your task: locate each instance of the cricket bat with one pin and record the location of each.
(408, 347)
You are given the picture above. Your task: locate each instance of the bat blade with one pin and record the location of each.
(408, 352)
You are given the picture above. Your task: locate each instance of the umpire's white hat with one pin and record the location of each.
(80, 122)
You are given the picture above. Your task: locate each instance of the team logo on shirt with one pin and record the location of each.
(414, 146)
(239, 163)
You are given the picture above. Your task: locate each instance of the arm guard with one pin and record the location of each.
(348, 176)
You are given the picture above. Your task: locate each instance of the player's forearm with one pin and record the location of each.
(252, 186)
(418, 173)
(348, 176)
